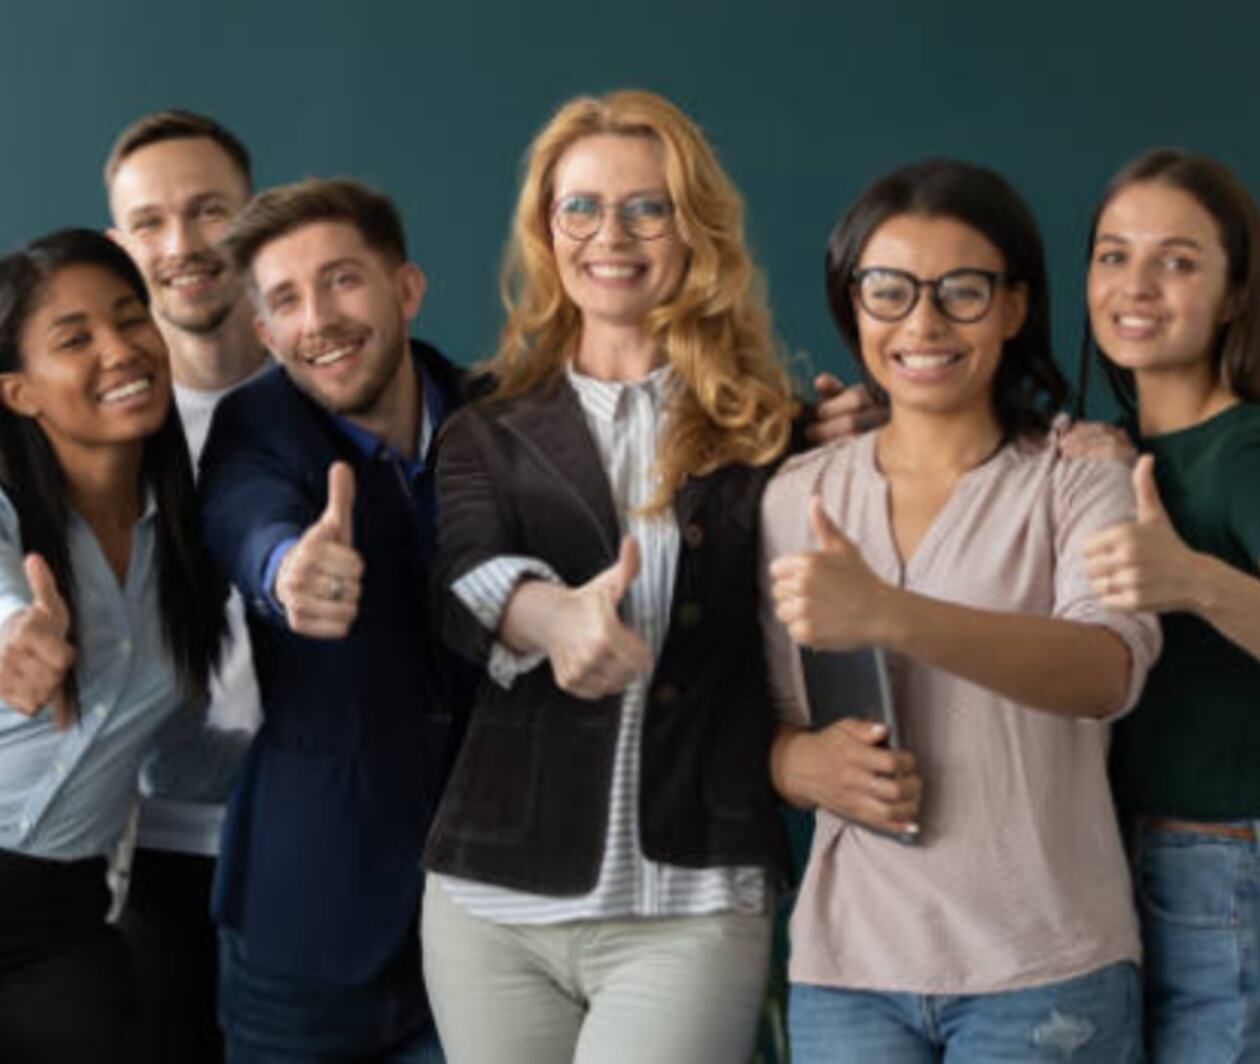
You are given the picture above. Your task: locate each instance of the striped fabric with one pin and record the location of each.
(625, 420)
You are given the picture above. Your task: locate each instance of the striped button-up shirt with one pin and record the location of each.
(626, 420)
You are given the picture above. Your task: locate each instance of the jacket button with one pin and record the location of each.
(689, 614)
(693, 535)
(666, 694)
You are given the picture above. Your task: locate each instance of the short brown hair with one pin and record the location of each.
(279, 211)
(174, 124)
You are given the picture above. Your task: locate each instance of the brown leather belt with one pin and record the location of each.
(1199, 827)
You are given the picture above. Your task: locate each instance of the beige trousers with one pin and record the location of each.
(673, 990)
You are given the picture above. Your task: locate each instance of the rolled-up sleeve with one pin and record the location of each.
(485, 591)
(1090, 496)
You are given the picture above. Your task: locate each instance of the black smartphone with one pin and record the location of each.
(852, 683)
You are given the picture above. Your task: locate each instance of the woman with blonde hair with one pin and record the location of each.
(604, 859)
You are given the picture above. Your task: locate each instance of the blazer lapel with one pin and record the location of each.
(552, 426)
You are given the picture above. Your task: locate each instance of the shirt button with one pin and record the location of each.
(693, 535)
(689, 614)
(24, 825)
(100, 709)
(125, 646)
(59, 768)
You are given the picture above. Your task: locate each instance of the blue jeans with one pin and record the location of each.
(1199, 903)
(274, 1019)
(1094, 1019)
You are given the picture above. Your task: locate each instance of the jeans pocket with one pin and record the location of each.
(1189, 880)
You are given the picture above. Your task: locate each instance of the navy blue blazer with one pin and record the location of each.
(319, 867)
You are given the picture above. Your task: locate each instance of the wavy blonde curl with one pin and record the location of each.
(736, 405)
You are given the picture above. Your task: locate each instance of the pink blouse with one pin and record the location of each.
(1019, 878)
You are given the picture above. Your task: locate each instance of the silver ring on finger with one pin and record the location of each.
(336, 589)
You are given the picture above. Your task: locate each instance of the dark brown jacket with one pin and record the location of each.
(527, 804)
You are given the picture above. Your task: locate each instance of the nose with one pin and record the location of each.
(317, 311)
(182, 236)
(612, 230)
(117, 349)
(925, 317)
(1139, 279)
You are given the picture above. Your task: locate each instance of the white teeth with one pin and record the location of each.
(611, 272)
(927, 361)
(335, 355)
(1132, 321)
(187, 280)
(126, 391)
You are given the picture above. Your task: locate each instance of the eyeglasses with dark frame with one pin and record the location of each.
(963, 296)
(644, 217)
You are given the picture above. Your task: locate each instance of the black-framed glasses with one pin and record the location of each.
(963, 296)
(644, 217)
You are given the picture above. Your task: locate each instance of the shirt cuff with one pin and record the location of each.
(270, 571)
(485, 590)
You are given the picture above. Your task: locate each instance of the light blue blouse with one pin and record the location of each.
(66, 794)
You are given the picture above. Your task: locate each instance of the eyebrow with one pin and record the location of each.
(653, 191)
(1172, 241)
(196, 201)
(325, 269)
(78, 317)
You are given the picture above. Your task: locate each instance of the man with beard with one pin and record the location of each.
(318, 505)
(174, 181)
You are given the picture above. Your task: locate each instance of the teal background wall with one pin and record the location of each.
(806, 102)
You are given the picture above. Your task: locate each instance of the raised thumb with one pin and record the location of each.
(826, 534)
(337, 520)
(44, 591)
(1149, 506)
(622, 573)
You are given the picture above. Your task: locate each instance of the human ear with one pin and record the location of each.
(411, 288)
(16, 396)
(1015, 310)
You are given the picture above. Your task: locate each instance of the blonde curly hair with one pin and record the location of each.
(736, 405)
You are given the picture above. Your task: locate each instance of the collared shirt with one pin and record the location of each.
(626, 420)
(65, 794)
(410, 472)
(186, 780)
(1019, 878)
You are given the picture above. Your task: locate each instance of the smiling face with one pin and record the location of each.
(926, 361)
(94, 370)
(334, 311)
(172, 202)
(613, 277)
(1158, 280)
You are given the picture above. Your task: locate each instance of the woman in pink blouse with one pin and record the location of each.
(952, 539)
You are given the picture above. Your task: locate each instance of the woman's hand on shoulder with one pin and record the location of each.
(829, 598)
(1094, 440)
(594, 653)
(842, 411)
(844, 769)
(35, 654)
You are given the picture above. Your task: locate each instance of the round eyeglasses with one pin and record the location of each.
(963, 296)
(645, 217)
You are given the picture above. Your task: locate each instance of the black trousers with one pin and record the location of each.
(174, 951)
(66, 990)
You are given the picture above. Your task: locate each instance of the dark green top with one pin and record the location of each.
(1191, 748)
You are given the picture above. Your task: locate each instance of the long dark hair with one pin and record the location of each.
(1236, 352)
(190, 592)
(1028, 388)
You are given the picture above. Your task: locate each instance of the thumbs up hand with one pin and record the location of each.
(829, 599)
(320, 578)
(593, 652)
(34, 653)
(1143, 564)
